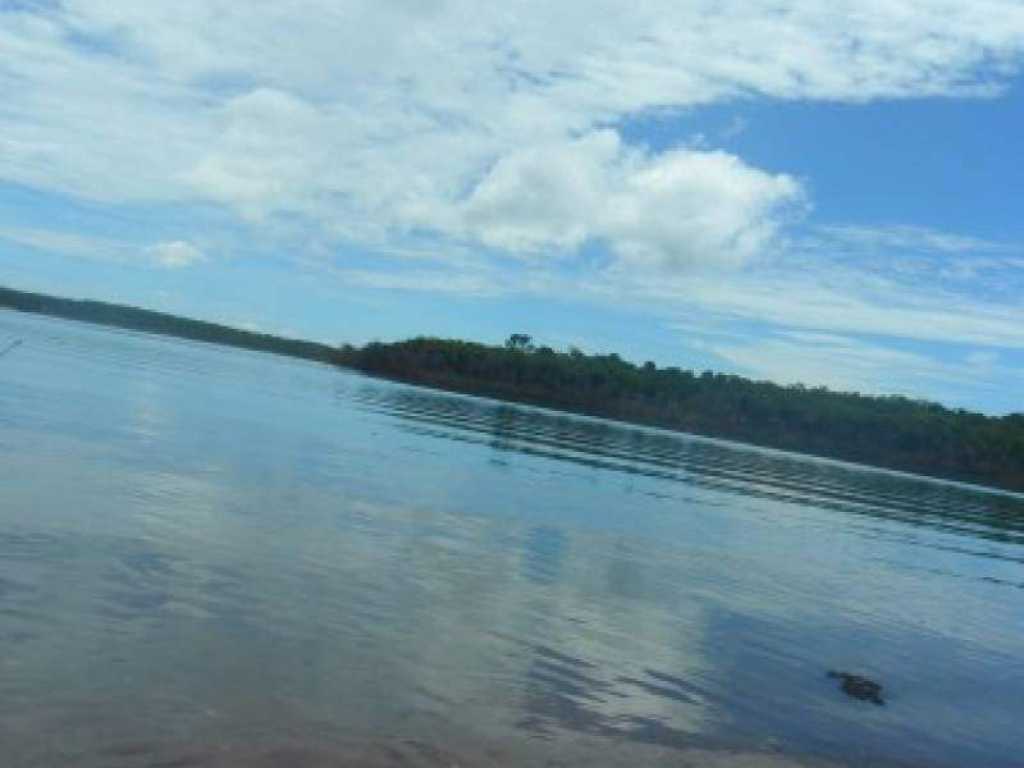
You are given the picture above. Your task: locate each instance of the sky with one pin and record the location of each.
(826, 193)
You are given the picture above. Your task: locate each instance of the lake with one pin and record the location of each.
(211, 557)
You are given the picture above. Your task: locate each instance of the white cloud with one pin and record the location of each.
(374, 120)
(175, 255)
(169, 255)
(67, 243)
(870, 366)
(832, 299)
(838, 362)
(908, 238)
(982, 359)
(433, 281)
(679, 207)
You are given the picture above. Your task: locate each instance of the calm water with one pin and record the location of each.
(213, 557)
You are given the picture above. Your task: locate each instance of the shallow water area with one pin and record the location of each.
(213, 557)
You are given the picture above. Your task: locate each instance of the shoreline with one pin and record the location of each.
(761, 415)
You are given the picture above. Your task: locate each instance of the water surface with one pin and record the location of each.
(213, 557)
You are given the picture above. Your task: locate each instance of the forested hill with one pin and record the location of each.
(136, 319)
(892, 432)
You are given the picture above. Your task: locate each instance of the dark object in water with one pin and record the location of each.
(859, 687)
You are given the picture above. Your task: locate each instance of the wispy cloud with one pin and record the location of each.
(432, 280)
(837, 300)
(839, 362)
(910, 239)
(374, 120)
(176, 254)
(858, 364)
(66, 243)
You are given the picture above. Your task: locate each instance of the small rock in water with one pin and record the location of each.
(859, 687)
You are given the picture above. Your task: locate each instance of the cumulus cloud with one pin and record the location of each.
(175, 255)
(271, 151)
(679, 207)
(376, 120)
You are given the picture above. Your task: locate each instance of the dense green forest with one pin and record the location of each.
(157, 322)
(892, 432)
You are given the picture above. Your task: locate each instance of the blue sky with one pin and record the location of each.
(788, 190)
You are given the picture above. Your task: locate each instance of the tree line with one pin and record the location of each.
(892, 432)
(135, 319)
